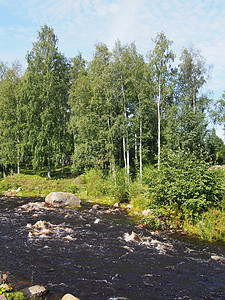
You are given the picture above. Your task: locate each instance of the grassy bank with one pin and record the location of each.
(205, 222)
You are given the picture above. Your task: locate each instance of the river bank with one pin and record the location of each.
(91, 187)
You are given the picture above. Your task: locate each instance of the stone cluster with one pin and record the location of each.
(37, 291)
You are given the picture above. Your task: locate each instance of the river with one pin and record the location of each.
(94, 254)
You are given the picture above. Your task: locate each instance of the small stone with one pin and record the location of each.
(96, 207)
(3, 297)
(97, 221)
(36, 290)
(3, 277)
(69, 297)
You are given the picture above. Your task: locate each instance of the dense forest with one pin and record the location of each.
(120, 110)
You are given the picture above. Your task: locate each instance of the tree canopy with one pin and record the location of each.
(117, 110)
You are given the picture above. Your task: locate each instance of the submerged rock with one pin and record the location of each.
(133, 237)
(44, 229)
(31, 206)
(60, 199)
(161, 247)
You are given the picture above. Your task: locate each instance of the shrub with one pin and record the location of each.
(210, 226)
(186, 182)
(153, 222)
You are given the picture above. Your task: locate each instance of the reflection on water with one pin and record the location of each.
(95, 255)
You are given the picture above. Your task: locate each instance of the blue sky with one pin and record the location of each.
(79, 24)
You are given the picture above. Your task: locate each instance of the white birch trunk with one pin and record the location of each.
(140, 151)
(18, 139)
(159, 124)
(135, 149)
(127, 164)
(112, 164)
(124, 153)
(48, 159)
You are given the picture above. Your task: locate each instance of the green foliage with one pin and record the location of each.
(45, 96)
(11, 130)
(99, 185)
(114, 185)
(185, 181)
(11, 295)
(4, 186)
(15, 296)
(82, 159)
(153, 222)
(210, 226)
(2, 290)
(35, 185)
(216, 147)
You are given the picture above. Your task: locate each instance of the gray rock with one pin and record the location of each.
(60, 199)
(34, 291)
(69, 297)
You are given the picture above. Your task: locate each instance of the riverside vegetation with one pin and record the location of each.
(122, 127)
(187, 193)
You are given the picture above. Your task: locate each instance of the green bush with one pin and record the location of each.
(186, 182)
(4, 186)
(153, 222)
(114, 185)
(210, 226)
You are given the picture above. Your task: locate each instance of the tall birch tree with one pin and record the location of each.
(46, 92)
(10, 115)
(160, 59)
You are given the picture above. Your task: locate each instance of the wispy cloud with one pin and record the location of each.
(79, 24)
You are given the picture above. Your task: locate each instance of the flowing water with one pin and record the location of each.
(98, 255)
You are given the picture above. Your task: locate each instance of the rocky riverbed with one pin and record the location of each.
(96, 252)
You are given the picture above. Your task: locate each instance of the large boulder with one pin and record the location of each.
(60, 199)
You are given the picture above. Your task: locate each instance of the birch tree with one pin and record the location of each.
(46, 92)
(10, 115)
(161, 58)
(193, 74)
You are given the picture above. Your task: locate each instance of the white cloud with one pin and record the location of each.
(79, 24)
